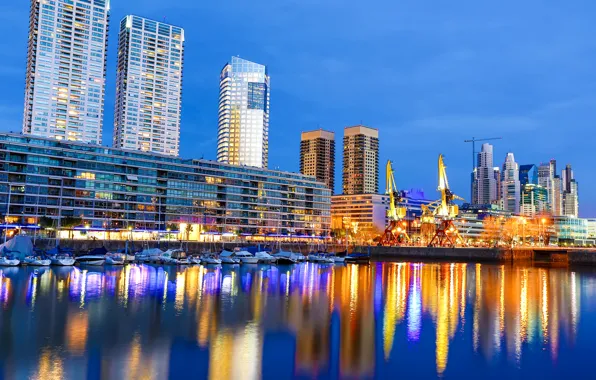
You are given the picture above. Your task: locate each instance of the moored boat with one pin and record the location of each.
(115, 258)
(245, 257)
(285, 257)
(62, 260)
(265, 257)
(210, 259)
(227, 257)
(9, 261)
(36, 261)
(94, 260)
(357, 257)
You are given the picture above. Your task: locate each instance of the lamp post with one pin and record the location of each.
(523, 231)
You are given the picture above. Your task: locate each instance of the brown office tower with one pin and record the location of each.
(317, 156)
(361, 160)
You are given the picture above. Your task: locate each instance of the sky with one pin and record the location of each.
(427, 74)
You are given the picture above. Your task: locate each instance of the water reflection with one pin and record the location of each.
(258, 321)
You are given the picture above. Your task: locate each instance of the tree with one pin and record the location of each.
(510, 231)
(69, 222)
(45, 222)
(188, 231)
(491, 230)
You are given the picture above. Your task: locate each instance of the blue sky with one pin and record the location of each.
(427, 74)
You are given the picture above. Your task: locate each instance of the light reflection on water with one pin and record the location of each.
(308, 320)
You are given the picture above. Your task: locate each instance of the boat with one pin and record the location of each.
(62, 260)
(265, 257)
(174, 257)
(245, 257)
(194, 259)
(357, 257)
(9, 261)
(150, 255)
(323, 258)
(96, 256)
(300, 257)
(37, 261)
(210, 259)
(115, 258)
(336, 258)
(285, 257)
(227, 257)
(91, 260)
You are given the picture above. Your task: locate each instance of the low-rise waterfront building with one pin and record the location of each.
(95, 189)
(368, 212)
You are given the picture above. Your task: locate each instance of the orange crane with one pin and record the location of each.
(445, 210)
(396, 231)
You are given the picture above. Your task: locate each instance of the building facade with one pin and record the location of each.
(243, 124)
(149, 86)
(533, 200)
(361, 160)
(122, 190)
(486, 185)
(510, 185)
(570, 200)
(317, 156)
(66, 61)
(556, 196)
(365, 212)
(528, 174)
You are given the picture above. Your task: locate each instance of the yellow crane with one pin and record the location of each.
(396, 231)
(445, 210)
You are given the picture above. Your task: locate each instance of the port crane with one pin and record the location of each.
(445, 210)
(396, 231)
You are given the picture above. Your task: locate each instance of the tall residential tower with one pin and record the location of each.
(149, 86)
(66, 60)
(243, 132)
(510, 184)
(317, 156)
(361, 160)
(485, 186)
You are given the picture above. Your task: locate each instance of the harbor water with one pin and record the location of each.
(380, 320)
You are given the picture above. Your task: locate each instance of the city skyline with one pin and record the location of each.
(409, 130)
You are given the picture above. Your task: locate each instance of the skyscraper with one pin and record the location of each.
(486, 186)
(317, 156)
(243, 133)
(149, 86)
(528, 174)
(570, 197)
(556, 197)
(361, 160)
(510, 184)
(66, 60)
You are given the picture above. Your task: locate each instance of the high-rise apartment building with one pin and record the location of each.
(497, 176)
(149, 86)
(243, 132)
(570, 200)
(486, 186)
(317, 156)
(556, 197)
(510, 185)
(66, 60)
(534, 200)
(361, 160)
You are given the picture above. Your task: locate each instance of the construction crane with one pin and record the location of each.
(396, 231)
(474, 140)
(445, 210)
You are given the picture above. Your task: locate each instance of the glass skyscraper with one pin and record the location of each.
(149, 86)
(65, 83)
(243, 133)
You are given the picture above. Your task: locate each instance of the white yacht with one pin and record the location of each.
(115, 259)
(8, 262)
(227, 257)
(62, 260)
(265, 257)
(194, 259)
(246, 258)
(91, 260)
(174, 257)
(36, 261)
(210, 259)
(149, 255)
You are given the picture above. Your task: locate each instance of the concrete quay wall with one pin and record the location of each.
(438, 253)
